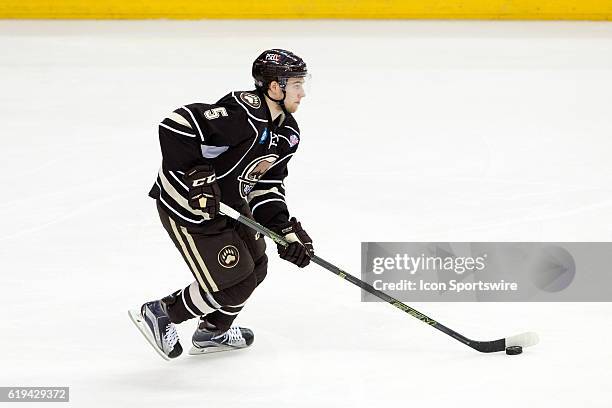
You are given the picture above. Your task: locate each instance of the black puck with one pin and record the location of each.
(514, 350)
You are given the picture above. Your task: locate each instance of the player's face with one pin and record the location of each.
(294, 91)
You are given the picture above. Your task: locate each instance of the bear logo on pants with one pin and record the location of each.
(229, 256)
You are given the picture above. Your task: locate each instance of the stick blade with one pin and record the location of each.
(526, 339)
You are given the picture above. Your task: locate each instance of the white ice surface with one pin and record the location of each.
(426, 131)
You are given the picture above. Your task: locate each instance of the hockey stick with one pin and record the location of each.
(523, 340)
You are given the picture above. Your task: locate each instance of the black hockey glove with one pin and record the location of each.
(204, 193)
(300, 247)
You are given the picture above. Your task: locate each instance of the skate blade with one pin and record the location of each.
(198, 351)
(138, 320)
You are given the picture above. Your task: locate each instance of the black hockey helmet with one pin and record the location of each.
(277, 65)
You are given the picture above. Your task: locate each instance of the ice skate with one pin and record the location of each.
(154, 323)
(207, 339)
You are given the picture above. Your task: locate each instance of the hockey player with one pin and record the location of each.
(235, 151)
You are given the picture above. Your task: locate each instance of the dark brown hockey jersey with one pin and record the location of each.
(248, 151)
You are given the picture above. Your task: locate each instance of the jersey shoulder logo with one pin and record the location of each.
(250, 99)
